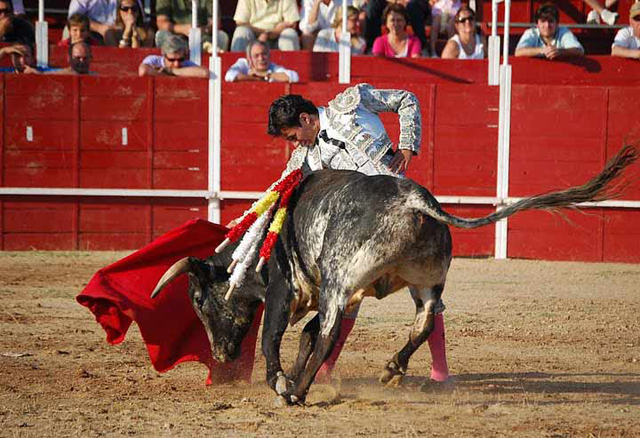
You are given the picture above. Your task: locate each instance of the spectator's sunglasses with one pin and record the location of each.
(181, 59)
(5, 11)
(470, 19)
(128, 8)
(636, 18)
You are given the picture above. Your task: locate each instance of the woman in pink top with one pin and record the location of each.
(397, 43)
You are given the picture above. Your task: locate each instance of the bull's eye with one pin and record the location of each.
(197, 297)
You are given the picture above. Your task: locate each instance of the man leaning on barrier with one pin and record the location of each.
(173, 61)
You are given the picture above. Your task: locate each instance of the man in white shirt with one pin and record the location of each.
(272, 22)
(548, 39)
(257, 66)
(173, 62)
(316, 15)
(102, 13)
(627, 41)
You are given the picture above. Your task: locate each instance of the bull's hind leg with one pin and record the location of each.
(425, 301)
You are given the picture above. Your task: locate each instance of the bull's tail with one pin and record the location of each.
(599, 188)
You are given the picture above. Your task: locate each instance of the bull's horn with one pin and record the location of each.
(223, 245)
(179, 267)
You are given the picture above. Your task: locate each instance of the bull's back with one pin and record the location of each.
(346, 215)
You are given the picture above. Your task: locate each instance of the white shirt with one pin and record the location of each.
(625, 39)
(478, 52)
(157, 61)
(326, 42)
(564, 39)
(102, 11)
(242, 66)
(326, 14)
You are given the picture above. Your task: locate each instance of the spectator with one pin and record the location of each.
(442, 17)
(272, 23)
(173, 61)
(627, 41)
(129, 29)
(468, 43)
(79, 60)
(101, 13)
(316, 15)
(78, 26)
(257, 66)
(548, 39)
(601, 12)
(14, 29)
(416, 12)
(174, 17)
(327, 40)
(23, 60)
(397, 43)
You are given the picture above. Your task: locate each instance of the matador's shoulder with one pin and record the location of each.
(349, 99)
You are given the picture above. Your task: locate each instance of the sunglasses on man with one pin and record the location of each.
(5, 11)
(181, 59)
(636, 18)
(128, 8)
(470, 19)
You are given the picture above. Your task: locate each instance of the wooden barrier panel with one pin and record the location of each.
(40, 121)
(180, 110)
(122, 132)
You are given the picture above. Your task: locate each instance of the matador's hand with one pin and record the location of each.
(400, 161)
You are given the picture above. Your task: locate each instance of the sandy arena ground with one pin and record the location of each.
(535, 348)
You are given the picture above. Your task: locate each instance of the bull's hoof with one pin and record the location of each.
(288, 400)
(395, 381)
(391, 375)
(281, 402)
(282, 383)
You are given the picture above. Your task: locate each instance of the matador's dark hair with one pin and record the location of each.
(285, 112)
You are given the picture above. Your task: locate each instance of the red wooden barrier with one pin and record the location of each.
(560, 136)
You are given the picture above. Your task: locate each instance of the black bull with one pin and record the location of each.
(348, 236)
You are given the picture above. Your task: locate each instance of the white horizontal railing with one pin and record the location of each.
(233, 194)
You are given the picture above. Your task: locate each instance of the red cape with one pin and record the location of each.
(119, 294)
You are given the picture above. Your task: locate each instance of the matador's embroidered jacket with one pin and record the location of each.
(357, 138)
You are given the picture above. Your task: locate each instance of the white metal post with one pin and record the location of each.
(344, 76)
(42, 37)
(504, 135)
(195, 35)
(494, 47)
(215, 118)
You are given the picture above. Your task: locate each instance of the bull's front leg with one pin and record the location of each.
(306, 347)
(330, 317)
(276, 319)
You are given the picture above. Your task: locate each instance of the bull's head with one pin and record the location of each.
(225, 321)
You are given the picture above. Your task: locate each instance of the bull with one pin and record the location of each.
(348, 236)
